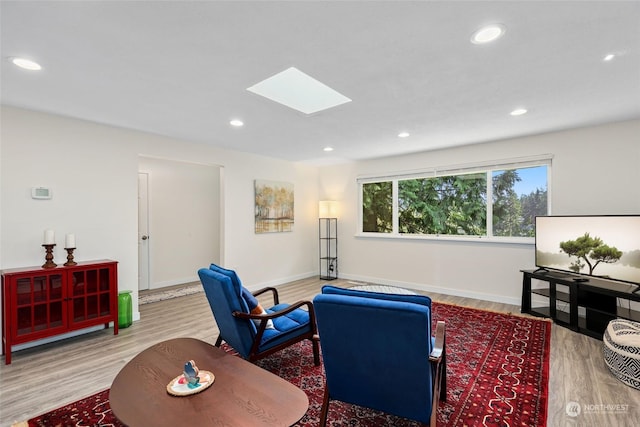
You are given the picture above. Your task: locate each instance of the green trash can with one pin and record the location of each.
(125, 314)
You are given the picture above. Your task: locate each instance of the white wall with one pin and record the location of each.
(184, 219)
(594, 171)
(93, 171)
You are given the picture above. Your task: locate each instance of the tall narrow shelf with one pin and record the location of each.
(328, 232)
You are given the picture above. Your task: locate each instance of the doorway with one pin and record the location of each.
(181, 230)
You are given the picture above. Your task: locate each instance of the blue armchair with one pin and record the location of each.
(252, 331)
(378, 352)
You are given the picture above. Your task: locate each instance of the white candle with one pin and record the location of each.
(70, 241)
(49, 237)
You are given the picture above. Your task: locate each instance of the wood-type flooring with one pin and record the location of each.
(42, 378)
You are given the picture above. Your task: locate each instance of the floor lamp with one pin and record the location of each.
(328, 239)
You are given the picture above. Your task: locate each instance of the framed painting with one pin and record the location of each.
(273, 206)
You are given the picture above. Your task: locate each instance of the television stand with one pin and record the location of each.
(591, 304)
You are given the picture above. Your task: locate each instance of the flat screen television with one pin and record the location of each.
(588, 245)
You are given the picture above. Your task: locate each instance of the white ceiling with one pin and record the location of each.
(181, 69)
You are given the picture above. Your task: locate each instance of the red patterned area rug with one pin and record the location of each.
(497, 375)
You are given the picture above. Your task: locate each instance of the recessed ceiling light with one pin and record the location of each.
(299, 91)
(236, 123)
(609, 57)
(328, 149)
(26, 64)
(403, 134)
(518, 112)
(488, 34)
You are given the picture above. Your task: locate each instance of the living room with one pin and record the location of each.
(92, 169)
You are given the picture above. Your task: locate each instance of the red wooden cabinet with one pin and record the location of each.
(39, 303)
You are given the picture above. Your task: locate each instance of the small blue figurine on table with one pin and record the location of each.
(191, 374)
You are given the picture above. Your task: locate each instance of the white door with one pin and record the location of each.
(143, 231)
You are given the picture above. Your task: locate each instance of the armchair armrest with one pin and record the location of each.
(265, 317)
(438, 360)
(274, 291)
(276, 314)
(438, 348)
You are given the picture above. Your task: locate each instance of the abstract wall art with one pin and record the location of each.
(273, 206)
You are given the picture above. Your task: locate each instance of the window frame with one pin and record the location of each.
(484, 167)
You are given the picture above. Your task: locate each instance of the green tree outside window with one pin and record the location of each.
(453, 204)
(377, 204)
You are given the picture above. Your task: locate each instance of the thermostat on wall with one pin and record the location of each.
(40, 193)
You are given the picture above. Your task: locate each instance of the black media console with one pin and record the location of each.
(583, 306)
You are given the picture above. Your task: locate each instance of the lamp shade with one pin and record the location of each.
(328, 209)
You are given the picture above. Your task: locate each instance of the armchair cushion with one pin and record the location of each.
(224, 299)
(251, 304)
(416, 299)
(406, 298)
(231, 274)
(284, 326)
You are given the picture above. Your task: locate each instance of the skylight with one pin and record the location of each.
(299, 91)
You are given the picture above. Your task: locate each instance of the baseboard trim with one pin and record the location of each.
(30, 344)
(359, 279)
(281, 281)
(159, 285)
(430, 288)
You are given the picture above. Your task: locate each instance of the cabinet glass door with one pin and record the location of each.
(39, 305)
(104, 292)
(79, 298)
(90, 295)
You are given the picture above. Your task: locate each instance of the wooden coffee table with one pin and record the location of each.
(241, 395)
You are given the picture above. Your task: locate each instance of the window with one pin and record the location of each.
(376, 207)
(498, 201)
(519, 195)
(454, 204)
